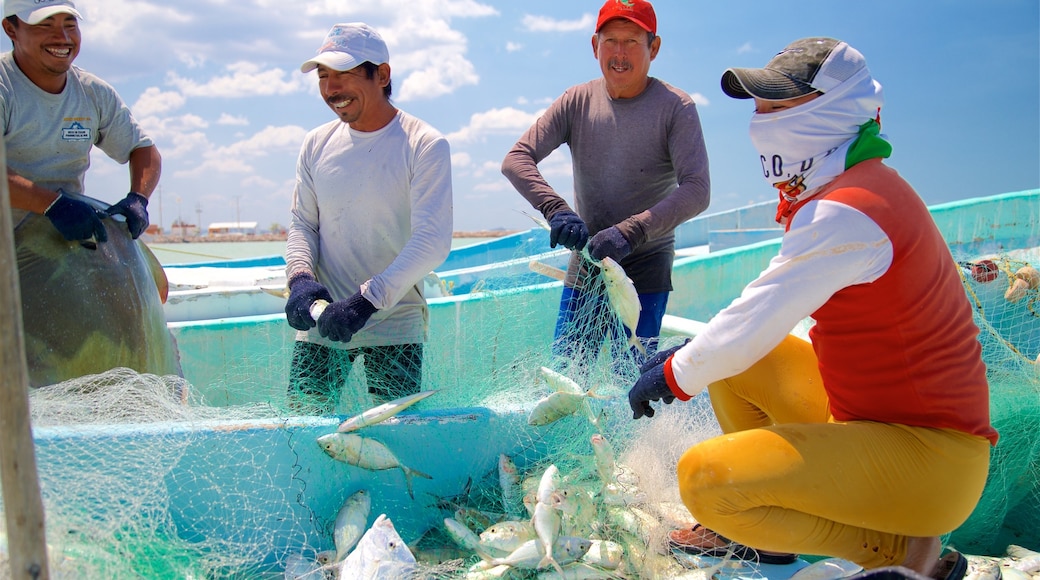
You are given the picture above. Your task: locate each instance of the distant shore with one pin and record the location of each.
(170, 239)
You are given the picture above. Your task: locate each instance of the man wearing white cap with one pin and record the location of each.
(371, 217)
(53, 114)
(871, 440)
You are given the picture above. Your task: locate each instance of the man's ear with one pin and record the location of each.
(384, 74)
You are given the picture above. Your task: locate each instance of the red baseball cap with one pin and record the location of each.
(638, 11)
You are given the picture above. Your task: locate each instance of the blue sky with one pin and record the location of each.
(217, 85)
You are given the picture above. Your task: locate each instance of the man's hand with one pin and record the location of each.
(303, 291)
(343, 318)
(568, 230)
(76, 220)
(652, 384)
(134, 207)
(609, 243)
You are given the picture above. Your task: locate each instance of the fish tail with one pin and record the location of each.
(634, 341)
(408, 473)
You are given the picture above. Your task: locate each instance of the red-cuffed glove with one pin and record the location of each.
(654, 384)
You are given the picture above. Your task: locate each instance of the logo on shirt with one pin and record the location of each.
(75, 132)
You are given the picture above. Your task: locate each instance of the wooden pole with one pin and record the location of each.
(23, 507)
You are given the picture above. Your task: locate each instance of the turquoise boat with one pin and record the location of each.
(212, 476)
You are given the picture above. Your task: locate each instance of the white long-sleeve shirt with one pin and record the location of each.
(372, 211)
(829, 246)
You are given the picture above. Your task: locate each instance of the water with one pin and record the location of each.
(190, 253)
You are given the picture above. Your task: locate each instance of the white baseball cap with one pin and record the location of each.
(34, 12)
(347, 46)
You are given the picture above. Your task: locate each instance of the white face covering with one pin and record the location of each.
(804, 148)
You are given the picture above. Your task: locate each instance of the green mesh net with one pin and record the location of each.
(220, 474)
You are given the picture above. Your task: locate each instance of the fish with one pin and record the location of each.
(529, 556)
(507, 535)
(560, 382)
(462, 534)
(509, 481)
(623, 298)
(579, 570)
(827, 569)
(604, 554)
(366, 453)
(90, 310)
(300, 567)
(605, 462)
(558, 405)
(350, 522)
(380, 554)
(546, 519)
(382, 412)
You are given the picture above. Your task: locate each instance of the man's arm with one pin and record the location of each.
(145, 168)
(520, 165)
(27, 195)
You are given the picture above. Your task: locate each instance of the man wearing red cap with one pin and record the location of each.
(640, 170)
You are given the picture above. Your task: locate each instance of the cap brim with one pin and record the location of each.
(37, 16)
(338, 61)
(762, 83)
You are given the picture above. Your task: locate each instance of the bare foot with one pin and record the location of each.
(922, 554)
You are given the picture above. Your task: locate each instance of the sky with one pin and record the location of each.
(216, 84)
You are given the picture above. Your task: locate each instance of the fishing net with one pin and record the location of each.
(220, 474)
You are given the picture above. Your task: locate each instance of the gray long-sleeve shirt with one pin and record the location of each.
(639, 163)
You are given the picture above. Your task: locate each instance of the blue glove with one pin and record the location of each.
(651, 385)
(343, 318)
(568, 230)
(134, 208)
(303, 291)
(76, 220)
(609, 243)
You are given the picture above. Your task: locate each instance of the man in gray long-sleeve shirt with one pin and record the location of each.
(640, 170)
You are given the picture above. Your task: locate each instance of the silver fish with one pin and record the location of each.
(605, 462)
(461, 534)
(622, 296)
(529, 556)
(605, 554)
(508, 535)
(300, 567)
(509, 481)
(560, 382)
(350, 522)
(380, 554)
(382, 412)
(546, 519)
(366, 453)
(559, 405)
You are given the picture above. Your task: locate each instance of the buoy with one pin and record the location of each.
(984, 271)
(1026, 279)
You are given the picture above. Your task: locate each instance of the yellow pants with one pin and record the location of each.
(786, 477)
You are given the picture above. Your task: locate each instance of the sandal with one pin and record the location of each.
(692, 541)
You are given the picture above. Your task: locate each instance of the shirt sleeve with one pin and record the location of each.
(301, 248)
(829, 246)
(520, 165)
(431, 226)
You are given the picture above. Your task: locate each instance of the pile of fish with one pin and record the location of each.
(584, 525)
(377, 553)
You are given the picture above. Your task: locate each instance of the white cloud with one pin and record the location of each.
(700, 100)
(505, 121)
(745, 48)
(154, 101)
(513, 46)
(545, 24)
(245, 79)
(461, 160)
(229, 119)
(236, 158)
